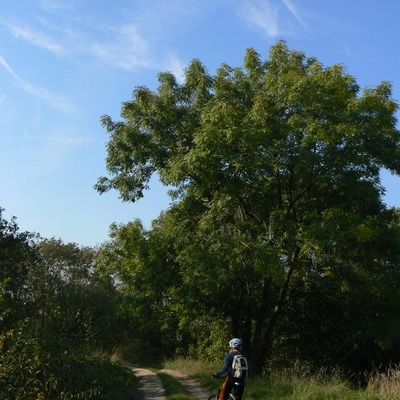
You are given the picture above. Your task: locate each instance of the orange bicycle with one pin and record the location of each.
(215, 396)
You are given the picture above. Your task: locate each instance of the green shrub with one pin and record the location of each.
(21, 367)
(27, 373)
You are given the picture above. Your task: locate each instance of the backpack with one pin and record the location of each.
(239, 366)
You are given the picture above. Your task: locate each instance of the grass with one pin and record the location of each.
(291, 386)
(198, 370)
(173, 389)
(386, 386)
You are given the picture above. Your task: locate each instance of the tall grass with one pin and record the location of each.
(385, 385)
(296, 386)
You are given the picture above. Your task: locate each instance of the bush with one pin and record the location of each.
(26, 372)
(21, 368)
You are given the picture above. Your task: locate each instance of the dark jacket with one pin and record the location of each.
(228, 363)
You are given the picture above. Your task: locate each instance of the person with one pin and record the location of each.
(230, 382)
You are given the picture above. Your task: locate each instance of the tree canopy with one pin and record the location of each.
(274, 168)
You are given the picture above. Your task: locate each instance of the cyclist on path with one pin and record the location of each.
(236, 376)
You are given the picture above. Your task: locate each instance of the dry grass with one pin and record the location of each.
(299, 386)
(385, 385)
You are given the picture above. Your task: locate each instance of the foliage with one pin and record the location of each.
(21, 367)
(26, 372)
(142, 274)
(18, 257)
(57, 321)
(77, 306)
(274, 172)
(91, 377)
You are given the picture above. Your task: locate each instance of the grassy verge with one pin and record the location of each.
(199, 370)
(287, 386)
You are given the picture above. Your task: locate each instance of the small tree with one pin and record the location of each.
(18, 258)
(137, 263)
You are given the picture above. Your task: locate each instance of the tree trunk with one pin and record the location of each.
(262, 345)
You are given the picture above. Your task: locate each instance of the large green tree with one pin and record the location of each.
(274, 168)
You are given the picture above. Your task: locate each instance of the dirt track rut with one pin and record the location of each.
(152, 386)
(191, 385)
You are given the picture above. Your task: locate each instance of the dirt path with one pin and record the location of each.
(152, 386)
(191, 385)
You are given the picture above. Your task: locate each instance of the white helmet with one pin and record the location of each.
(235, 342)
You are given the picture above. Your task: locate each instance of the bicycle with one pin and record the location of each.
(215, 396)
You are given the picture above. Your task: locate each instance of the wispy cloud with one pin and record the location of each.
(50, 152)
(55, 101)
(263, 15)
(269, 16)
(54, 5)
(129, 42)
(126, 49)
(295, 12)
(175, 65)
(66, 142)
(35, 38)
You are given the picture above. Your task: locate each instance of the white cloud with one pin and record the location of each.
(263, 15)
(129, 40)
(54, 5)
(269, 17)
(295, 12)
(126, 49)
(176, 67)
(58, 102)
(35, 38)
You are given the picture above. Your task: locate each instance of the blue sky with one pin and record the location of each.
(63, 64)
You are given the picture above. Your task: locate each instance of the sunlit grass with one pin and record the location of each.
(199, 370)
(293, 386)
